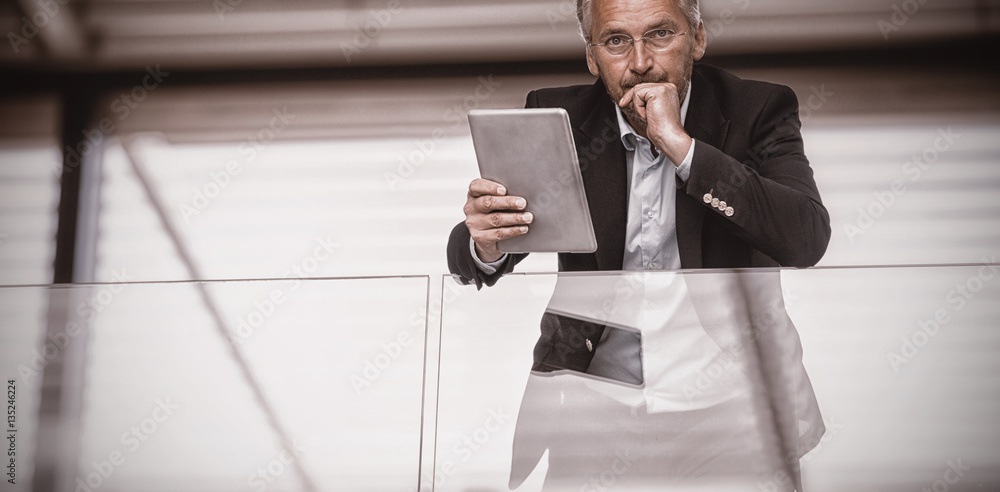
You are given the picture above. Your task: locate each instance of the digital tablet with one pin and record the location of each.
(531, 152)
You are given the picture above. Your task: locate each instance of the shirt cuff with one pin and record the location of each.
(487, 268)
(684, 170)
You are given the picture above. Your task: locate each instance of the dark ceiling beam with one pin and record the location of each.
(969, 54)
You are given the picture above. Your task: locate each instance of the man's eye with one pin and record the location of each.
(616, 41)
(660, 34)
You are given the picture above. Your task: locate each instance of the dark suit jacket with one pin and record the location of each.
(749, 153)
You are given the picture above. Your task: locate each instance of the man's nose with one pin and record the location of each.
(641, 58)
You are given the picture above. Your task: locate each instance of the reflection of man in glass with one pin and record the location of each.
(698, 381)
(684, 165)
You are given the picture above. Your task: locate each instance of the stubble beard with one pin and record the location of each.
(617, 91)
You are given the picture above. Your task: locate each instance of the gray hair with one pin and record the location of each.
(691, 8)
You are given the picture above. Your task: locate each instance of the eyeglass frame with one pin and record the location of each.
(644, 38)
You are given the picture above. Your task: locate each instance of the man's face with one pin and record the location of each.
(635, 18)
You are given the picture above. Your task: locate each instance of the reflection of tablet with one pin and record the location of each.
(531, 152)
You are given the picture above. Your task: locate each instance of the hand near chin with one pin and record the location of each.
(659, 105)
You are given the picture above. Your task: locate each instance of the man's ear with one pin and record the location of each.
(592, 63)
(700, 42)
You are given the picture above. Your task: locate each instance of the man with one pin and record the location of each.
(684, 166)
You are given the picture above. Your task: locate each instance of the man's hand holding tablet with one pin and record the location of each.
(492, 216)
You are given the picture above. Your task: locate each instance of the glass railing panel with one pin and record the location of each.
(250, 385)
(755, 380)
(905, 364)
(23, 354)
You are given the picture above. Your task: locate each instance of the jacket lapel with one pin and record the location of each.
(706, 124)
(602, 164)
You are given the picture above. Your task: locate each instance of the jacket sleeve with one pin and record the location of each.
(776, 206)
(460, 261)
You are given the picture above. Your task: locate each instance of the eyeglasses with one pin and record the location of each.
(656, 40)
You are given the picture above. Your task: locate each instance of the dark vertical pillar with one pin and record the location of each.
(62, 376)
(78, 151)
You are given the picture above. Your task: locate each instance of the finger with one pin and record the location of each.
(490, 203)
(499, 234)
(635, 97)
(645, 94)
(639, 93)
(653, 97)
(652, 91)
(626, 98)
(656, 85)
(638, 101)
(640, 98)
(480, 187)
(501, 219)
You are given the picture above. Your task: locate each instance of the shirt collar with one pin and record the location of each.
(628, 134)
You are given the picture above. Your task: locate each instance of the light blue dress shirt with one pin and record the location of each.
(651, 231)
(650, 237)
